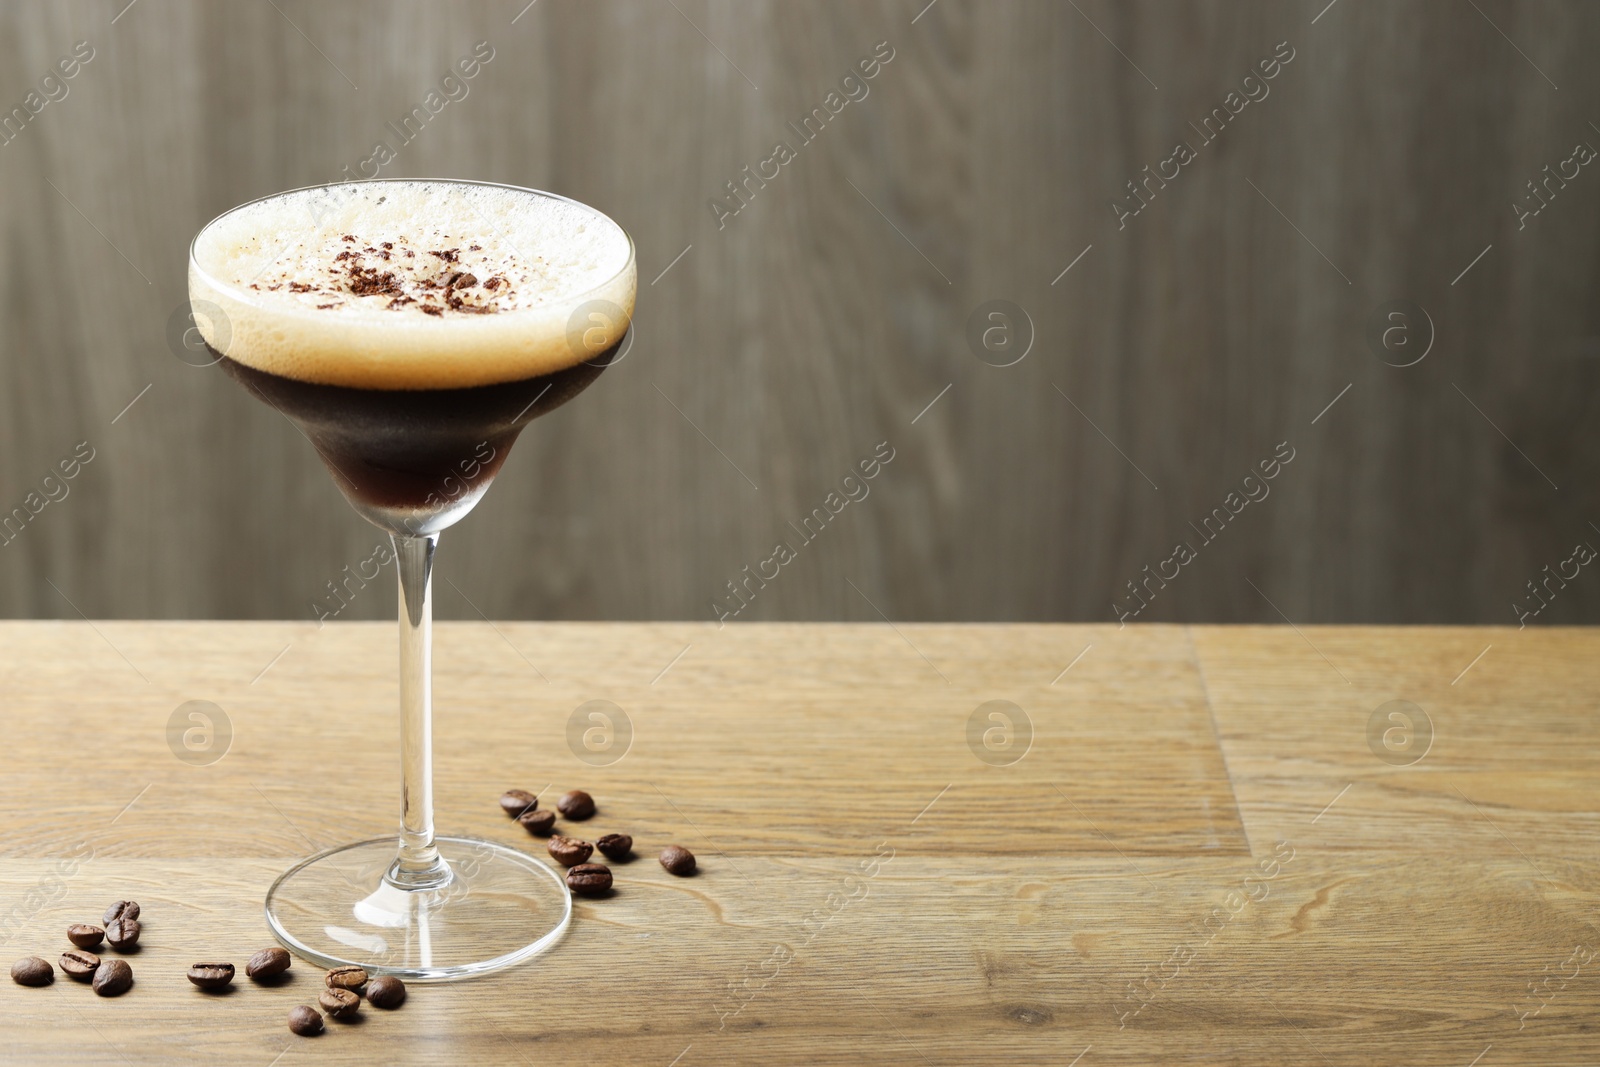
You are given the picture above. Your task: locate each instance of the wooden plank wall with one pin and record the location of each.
(1187, 342)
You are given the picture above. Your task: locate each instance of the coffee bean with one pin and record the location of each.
(616, 846)
(267, 964)
(305, 1021)
(386, 992)
(537, 822)
(79, 964)
(122, 909)
(576, 805)
(569, 851)
(589, 879)
(516, 801)
(122, 934)
(31, 970)
(85, 936)
(211, 976)
(339, 1003)
(112, 978)
(351, 977)
(677, 860)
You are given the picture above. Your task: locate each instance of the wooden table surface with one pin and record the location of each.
(1202, 856)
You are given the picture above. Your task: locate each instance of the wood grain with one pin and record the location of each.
(1173, 872)
(829, 313)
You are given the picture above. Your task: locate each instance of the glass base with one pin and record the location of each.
(499, 908)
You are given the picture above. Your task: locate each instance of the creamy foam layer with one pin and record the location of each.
(412, 284)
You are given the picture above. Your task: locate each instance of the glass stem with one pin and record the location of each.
(418, 865)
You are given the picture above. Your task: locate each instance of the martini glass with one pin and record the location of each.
(413, 461)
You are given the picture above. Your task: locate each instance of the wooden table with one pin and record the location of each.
(1201, 856)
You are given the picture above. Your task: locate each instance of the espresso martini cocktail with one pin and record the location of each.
(411, 330)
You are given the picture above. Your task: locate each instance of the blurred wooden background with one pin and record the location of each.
(779, 350)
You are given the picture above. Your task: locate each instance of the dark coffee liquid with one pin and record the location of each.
(408, 449)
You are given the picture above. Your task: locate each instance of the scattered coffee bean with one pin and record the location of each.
(112, 978)
(122, 909)
(515, 802)
(79, 964)
(84, 935)
(589, 879)
(616, 846)
(268, 963)
(576, 805)
(677, 860)
(351, 977)
(339, 1003)
(122, 934)
(305, 1021)
(31, 970)
(537, 822)
(386, 992)
(569, 851)
(211, 976)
